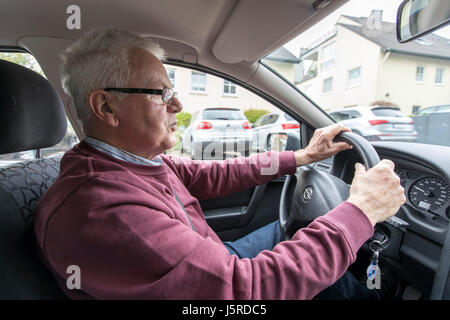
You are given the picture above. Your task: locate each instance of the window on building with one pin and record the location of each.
(419, 73)
(327, 57)
(439, 76)
(229, 88)
(354, 77)
(171, 74)
(327, 85)
(198, 81)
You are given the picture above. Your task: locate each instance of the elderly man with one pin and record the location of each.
(129, 218)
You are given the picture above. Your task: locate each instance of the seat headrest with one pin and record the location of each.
(32, 114)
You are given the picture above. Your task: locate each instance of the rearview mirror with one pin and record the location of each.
(416, 18)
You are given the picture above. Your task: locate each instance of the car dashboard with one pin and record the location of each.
(415, 236)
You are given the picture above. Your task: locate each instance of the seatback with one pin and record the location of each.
(22, 274)
(31, 117)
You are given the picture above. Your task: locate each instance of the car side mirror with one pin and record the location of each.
(416, 18)
(283, 142)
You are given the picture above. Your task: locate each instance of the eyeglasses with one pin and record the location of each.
(166, 93)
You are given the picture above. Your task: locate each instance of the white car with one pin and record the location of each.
(377, 123)
(213, 132)
(272, 126)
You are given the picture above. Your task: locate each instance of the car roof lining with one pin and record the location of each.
(204, 25)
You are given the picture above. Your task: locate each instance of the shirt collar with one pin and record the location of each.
(122, 154)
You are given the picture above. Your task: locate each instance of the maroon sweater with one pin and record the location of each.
(121, 224)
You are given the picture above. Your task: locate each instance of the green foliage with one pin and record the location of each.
(177, 145)
(254, 114)
(23, 59)
(183, 118)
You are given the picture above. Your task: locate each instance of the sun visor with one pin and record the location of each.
(256, 33)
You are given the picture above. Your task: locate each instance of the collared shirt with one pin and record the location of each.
(122, 154)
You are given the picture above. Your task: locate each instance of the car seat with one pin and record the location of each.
(31, 117)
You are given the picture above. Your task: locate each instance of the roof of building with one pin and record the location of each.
(431, 45)
(283, 55)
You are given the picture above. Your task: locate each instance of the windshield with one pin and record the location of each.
(223, 114)
(352, 61)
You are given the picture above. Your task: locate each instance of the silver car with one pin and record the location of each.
(377, 123)
(272, 127)
(213, 132)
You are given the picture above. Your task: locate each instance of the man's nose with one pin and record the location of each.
(174, 106)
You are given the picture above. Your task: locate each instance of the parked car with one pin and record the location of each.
(214, 131)
(275, 125)
(432, 124)
(377, 123)
(432, 110)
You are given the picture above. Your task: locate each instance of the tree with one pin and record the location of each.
(24, 59)
(183, 118)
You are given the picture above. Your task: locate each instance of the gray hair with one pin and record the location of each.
(101, 59)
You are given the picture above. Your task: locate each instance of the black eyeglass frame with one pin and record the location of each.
(166, 93)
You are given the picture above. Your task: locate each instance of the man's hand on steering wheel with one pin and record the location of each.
(322, 145)
(377, 191)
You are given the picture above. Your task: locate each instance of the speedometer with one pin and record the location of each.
(429, 193)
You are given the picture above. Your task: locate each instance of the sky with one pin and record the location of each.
(356, 8)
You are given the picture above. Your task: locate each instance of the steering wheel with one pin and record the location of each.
(311, 193)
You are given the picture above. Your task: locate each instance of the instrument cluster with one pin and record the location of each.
(425, 192)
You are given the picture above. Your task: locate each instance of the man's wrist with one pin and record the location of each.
(372, 218)
(302, 157)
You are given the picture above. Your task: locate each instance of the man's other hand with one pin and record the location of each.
(377, 191)
(322, 146)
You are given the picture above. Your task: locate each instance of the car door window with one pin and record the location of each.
(353, 114)
(443, 109)
(339, 116)
(269, 120)
(274, 118)
(259, 121)
(219, 124)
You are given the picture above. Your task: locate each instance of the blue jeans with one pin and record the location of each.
(265, 238)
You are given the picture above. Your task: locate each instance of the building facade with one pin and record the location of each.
(378, 69)
(197, 90)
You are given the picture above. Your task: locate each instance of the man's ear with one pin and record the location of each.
(104, 107)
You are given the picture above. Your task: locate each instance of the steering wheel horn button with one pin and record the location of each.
(307, 193)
